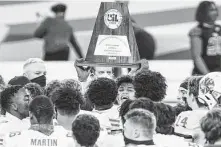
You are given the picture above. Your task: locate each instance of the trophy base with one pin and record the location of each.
(123, 65)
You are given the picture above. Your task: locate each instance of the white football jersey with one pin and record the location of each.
(110, 140)
(172, 141)
(109, 119)
(111, 127)
(10, 123)
(31, 138)
(188, 122)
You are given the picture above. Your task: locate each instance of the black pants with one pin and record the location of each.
(60, 55)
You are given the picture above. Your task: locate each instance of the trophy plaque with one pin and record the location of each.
(113, 43)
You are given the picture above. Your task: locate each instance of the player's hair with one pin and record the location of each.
(202, 11)
(2, 82)
(124, 108)
(71, 83)
(144, 118)
(86, 129)
(211, 125)
(42, 108)
(7, 94)
(51, 86)
(2, 87)
(124, 79)
(180, 108)
(35, 89)
(87, 105)
(31, 61)
(184, 83)
(166, 118)
(144, 103)
(150, 84)
(102, 91)
(193, 85)
(67, 100)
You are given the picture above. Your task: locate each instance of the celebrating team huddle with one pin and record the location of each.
(104, 111)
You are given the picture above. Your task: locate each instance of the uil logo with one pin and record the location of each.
(207, 85)
(214, 45)
(112, 18)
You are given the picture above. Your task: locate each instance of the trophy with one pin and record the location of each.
(113, 43)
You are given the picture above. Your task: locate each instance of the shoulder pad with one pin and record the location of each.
(196, 31)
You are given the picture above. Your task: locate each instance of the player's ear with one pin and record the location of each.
(14, 106)
(33, 119)
(31, 115)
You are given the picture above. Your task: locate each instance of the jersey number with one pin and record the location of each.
(182, 122)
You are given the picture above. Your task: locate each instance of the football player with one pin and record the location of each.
(183, 92)
(86, 130)
(14, 100)
(187, 123)
(210, 90)
(211, 127)
(67, 103)
(125, 89)
(139, 128)
(42, 131)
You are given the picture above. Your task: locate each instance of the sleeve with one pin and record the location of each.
(196, 31)
(42, 29)
(75, 45)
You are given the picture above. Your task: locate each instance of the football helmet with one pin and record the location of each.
(210, 89)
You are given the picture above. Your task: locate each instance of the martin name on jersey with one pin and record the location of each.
(32, 138)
